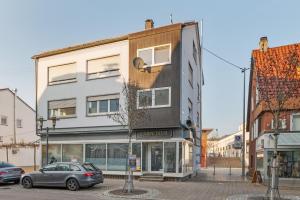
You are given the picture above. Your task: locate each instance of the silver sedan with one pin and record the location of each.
(64, 174)
(10, 173)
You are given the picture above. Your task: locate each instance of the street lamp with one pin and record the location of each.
(41, 121)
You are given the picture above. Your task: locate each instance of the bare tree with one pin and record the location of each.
(129, 117)
(278, 85)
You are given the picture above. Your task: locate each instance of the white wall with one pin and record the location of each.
(82, 88)
(189, 35)
(23, 112)
(26, 134)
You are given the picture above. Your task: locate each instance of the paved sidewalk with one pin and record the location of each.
(189, 190)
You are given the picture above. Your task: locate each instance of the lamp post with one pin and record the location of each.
(41, 121)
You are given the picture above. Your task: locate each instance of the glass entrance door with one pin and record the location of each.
(156, 157)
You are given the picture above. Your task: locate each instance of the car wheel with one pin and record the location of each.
(72, 184)
(27, 182)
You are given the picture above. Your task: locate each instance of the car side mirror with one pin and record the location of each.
(41, 170)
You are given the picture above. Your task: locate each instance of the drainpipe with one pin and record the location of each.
(15, 96)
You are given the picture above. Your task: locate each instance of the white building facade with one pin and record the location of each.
(82, 85)
(17, 130)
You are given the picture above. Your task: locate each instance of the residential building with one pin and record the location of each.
(81, 85)
(225, 146)
(17, 130)
(261, 123)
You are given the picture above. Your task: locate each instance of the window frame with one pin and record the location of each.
(66, 81)
(291, 121)
(6, 120)
(98, 106)
(153, 53)
(62, 117)
(108, 76)
(153, 98)
(19, 125)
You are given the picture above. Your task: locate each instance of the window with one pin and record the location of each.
(54, 153)
(103, 104)
(74, 168)
(62, 74)
(154, 98)
(190, 109)
(50, 168)
(198, 89)
(103, 67)
(96, 154)
(170, 157)
(296, 122)
(62, 108)
(198, 119)
(194, 52)
(72, 153)
(63, 167)
(1, 138)
(4, 120)
(158, 55)
(282, 124)
(19, 123)
(190, 75)
(117, 157)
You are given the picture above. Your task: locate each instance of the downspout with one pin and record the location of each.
(36, 109)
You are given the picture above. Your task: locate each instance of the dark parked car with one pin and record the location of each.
(64, 174)
(10, 173)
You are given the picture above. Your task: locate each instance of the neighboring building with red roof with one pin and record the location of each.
(260, 122)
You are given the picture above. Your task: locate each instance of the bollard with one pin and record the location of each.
(230, 170)
(214, 169)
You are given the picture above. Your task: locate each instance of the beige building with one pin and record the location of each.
(224, 146)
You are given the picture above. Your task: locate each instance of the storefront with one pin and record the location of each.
(169, 156)
(288, 154)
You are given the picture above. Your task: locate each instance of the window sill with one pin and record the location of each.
(158, 64)
(102, 114)
(61, 82)
(67, 117)
(150, 107)
(104, 77)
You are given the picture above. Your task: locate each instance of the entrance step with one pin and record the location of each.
(152, 177)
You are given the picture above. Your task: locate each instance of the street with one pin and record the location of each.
(192, 189)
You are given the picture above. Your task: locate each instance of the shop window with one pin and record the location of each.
(54, 153)
(170, 157)
(180, 157)
(117, 157)
(72, 153)
(145, 157)
(136, 150)
(96, 154)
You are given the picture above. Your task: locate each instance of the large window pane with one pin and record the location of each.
(72, 152)
(145, 157)
(54, 153)
(162, 54)
(136, 150)
(92, 107)
(146, 55)
(180, 157)
(145, 98)
(103, 106)
(162, 97)
(96, 154)
(114, 105)
(296, 123)
(117, 157)
(170, 156)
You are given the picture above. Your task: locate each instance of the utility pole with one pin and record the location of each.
(244, 121)
(15, 134)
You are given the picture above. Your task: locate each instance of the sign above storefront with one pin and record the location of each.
(157, 134)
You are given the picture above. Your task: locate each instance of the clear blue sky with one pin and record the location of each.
(232, 29)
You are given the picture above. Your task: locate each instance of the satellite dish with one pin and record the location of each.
(138, 62)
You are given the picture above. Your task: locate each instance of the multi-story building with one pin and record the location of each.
(261, 123)
(82, 84)
(17, 130)
(225, 146)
